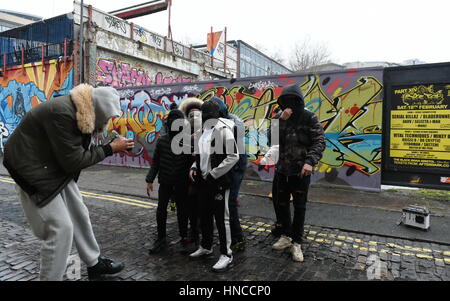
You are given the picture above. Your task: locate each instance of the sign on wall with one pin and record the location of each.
(420, 126)
(418, 136)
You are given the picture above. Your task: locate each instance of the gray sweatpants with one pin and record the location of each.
(65, 218)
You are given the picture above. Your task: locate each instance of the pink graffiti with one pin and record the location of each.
(119, 74)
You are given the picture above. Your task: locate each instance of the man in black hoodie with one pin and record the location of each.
(172, 170)
(302, 142)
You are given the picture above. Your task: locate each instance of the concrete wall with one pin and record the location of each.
(131, 46)
(348, 103)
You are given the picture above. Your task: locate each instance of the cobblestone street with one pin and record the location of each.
(126, 226)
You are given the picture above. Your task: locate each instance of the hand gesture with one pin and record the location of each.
(286, 114)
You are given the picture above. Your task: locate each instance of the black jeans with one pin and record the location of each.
(193, 209)
(275, 199)
(298, 187)
(178, 193)
(213, 204)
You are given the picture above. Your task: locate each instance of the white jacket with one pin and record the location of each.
(223, 130)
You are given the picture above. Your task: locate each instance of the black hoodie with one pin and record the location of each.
(301, 137)
(171, 168)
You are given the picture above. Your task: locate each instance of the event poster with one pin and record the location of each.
(420, 126)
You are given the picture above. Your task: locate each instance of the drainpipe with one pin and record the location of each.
(81, 44)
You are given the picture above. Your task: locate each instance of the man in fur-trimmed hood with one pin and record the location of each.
(45, 155)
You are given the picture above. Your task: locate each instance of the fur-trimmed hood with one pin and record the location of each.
(95, 106)
(81, 96)
(190, 103)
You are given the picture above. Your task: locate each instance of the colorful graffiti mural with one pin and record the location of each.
(115, 73)
(23, 89)
(349, 105)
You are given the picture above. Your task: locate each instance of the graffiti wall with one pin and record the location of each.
(23, 89)
(349, 105)
(127, 72)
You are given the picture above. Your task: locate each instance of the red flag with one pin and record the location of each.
(213, 40)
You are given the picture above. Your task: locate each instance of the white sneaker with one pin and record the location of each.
(200, 252)
(283, 243)
(297, 254)
(223, 264)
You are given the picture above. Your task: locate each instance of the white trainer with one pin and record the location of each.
(297, 254)
(223, 264)
(283, 243)
(201, 252)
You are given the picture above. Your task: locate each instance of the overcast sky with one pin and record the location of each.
(353, 30)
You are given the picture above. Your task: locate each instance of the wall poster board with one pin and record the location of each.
(416, 138)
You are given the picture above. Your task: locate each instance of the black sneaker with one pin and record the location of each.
(159, 245)
(104, 266)
(238, 246)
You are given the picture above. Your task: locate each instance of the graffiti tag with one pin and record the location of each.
(116, 24)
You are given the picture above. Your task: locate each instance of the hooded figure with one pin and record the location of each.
(301, 144)
(301, 135)
(106, 101)
(172, 168)
(214, 163)
(292, 97)
(171, 117)
(44, 156)
(191, 108)
(63, 141)
(238, 171)
(210, 113)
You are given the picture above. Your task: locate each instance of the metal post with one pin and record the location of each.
(80, 80)
(4, 63)
(42, 57)
(132, 31)
(225, 53)
(65, 50)
(23, 58)
(211, 44)
(238, 61)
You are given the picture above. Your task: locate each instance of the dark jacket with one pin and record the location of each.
(301, 137)
(50, 146)
(169, 167)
